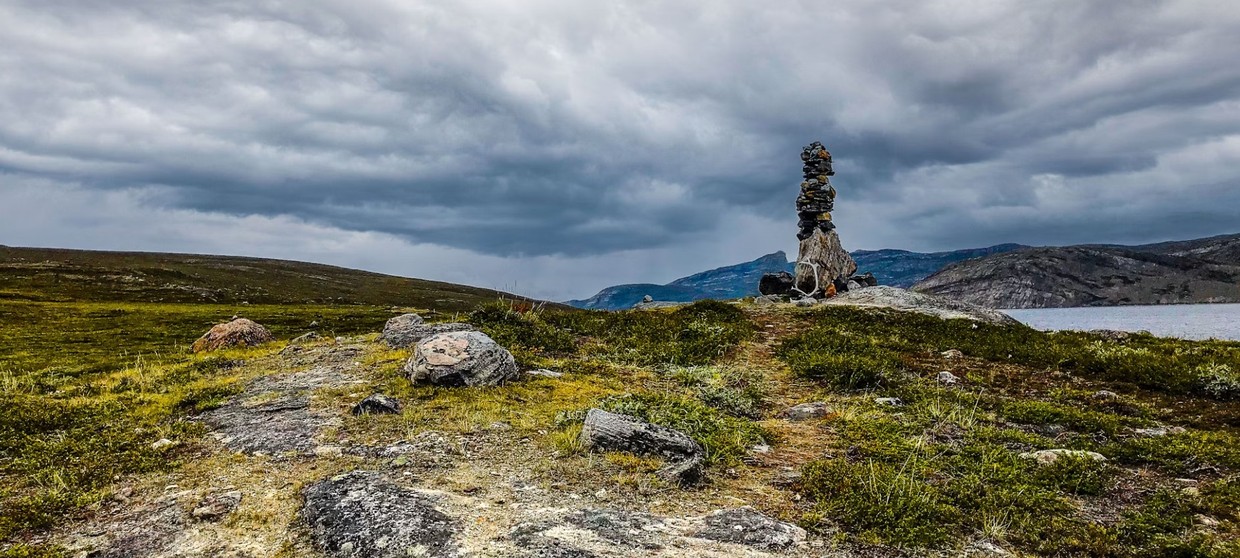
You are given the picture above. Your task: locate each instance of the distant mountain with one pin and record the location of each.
(1192, 271)
(901, 268)
(734, 281)
(56, 275)
(898, 268)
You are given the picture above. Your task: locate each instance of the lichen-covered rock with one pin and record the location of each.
(1048, 456)
(364, 514)
(378, 404)
(807, 411)
(238, 333)
(461, 358)
(749, 527)
(608, 431)
(217, 505)
(405, 330)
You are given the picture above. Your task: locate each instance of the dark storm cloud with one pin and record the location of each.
(570, 128)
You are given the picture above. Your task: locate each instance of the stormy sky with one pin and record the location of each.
(556, 147)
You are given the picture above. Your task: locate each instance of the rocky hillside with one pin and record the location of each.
(901, 268)
(46, 274)
(897, 268)
(1194, 271)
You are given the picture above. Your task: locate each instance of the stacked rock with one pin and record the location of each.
(817, 198)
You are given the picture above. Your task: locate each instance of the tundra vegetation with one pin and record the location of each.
(88, 388)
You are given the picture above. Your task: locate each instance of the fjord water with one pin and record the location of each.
(1186, 321)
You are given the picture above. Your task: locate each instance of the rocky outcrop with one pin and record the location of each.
(749, 527)
(602, 532)
(406, 330)
(608, 431)
(1168, 273)
(900, 299)
(461, 358)
(364, 514)
(273, 415)
(240, 332)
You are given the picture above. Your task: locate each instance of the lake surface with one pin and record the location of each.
(1187, 321)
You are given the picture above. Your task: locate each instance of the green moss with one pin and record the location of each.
(844, 360)
(732, 390)
(691, 335)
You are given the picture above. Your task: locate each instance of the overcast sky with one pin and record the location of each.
(556, 147)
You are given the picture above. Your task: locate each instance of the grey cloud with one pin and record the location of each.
(572, 129)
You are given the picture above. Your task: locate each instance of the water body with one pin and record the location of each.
(1186, 321)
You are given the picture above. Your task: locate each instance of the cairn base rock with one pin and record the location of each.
(829, 256)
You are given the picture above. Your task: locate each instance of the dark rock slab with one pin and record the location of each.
(777, 284)
(364, 514)
(378, 404)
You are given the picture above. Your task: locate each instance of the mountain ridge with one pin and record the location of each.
(1205, 270)
(899, 268)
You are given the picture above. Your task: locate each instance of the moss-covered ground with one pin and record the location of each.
(87, 388)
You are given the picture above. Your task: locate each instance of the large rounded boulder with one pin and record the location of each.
(461, 358)
(406, 329)
(237, 333)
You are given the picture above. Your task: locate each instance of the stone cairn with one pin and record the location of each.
(817, 199)
(823, 266)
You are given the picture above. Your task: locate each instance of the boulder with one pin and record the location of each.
(608, 431)
(407, 329)
(378, 404)
(947, 378)
(238, 333)
(363, 513)
(777, 284)
(820, 261)
(807, 411)
(461, 358)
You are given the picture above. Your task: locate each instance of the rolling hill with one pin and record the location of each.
(59, 275)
